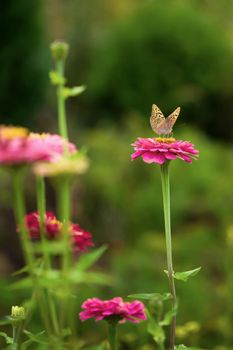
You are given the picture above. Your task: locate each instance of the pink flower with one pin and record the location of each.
(49, 147)
(52, 225)
(115, 309)
(18, 146)
(81, 239)
(159, 150)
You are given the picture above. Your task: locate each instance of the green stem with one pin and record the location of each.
(112, 335)
(14, 335)
(18, 177)
(64, 215)
(41, 205)
(167, 221)
(61, 101)
(18, 186)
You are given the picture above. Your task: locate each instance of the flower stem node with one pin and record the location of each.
(18, 312)
(59, 50)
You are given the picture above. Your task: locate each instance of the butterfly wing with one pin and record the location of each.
(170, 121)
(156, 118)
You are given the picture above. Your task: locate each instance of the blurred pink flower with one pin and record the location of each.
(159, 150)
(80, 239)
(18, 146)
(115, 309)
(52, 225)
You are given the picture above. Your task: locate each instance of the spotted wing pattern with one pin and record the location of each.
(160, 124)
(156, 118)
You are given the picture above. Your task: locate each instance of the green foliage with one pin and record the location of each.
(184, 276)
(23, 63)
(166, 53)
(153, 297)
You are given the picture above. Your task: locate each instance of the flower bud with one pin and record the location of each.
(18, 312)
(59, 50)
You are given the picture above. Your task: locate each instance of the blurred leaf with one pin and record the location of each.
(39, 338)
(23, 283)
(8, 340)
(182, 347)
(151, 296)
(87, 260)
(56, 79)
(74, 91)
(5, 320)
(168, 317)
(155, 329)
(51, 247)
(90, 277)
(24, 269)
(66, 332)
(98, 347)
(184, 276)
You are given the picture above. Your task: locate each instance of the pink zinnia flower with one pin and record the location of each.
(81, 239)
(159, 150)
(52, 225)
(18, 146)
(113, 309)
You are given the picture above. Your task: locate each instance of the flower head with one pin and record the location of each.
(113, 309)
(64, 166)
(59, 49)
(18, 146)
(18, 312)
(52, 225)
(159, 150)
(81, 240)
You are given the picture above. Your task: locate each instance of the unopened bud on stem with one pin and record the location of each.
(59, 50)
(18, 312)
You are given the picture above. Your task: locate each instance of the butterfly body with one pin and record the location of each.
(161, 125)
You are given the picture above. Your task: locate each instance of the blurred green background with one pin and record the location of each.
(130, 54)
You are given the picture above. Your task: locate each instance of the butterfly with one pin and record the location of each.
(160, 124)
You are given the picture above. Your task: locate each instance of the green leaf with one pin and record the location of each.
(168, 317)
(74, 91)
(56, 79)
(87, 260)
(23, 283)
(99, 347)
(8, 340)
(184, 276)
(183, 347)
(51, 247)
(90, 277)
(39, 338)
(4, 321)
(151, 296)
(24, 269)
(155, 329)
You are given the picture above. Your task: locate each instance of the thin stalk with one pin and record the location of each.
(61, 102)
(14, 335)
(167, 222)
(64, 214)
(41, 205)
(18, 192)
(18, 177)
(112, 335)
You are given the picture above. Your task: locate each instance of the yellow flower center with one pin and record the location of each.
(11, 132)
(38, 136)
(165, 139)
